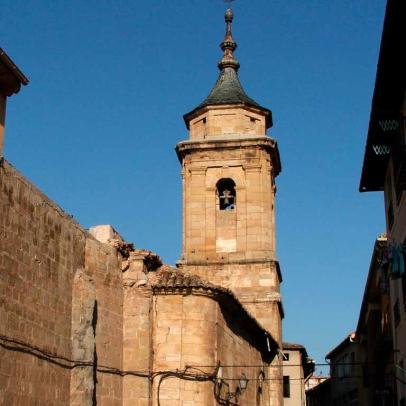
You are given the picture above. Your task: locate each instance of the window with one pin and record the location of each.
(226, 194)
(340, 368)
(344, 365)
(286, 386)
(285, 356)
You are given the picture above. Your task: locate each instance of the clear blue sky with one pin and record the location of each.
(110, 80)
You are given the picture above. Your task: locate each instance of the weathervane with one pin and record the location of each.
(228, 2)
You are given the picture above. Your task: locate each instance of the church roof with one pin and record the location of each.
(171, 278)
(292, 346)
(228, 89)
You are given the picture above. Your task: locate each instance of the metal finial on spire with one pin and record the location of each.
(228, 45)
(228, 2)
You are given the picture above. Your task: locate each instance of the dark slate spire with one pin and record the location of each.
(228, 89)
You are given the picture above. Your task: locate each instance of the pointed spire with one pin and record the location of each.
(228, 90)
(228, 45)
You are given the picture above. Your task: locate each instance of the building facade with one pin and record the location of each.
(345, 373)
(373, 343)
(297, 369)
(319, 394)
(362, 366)
(384, 169)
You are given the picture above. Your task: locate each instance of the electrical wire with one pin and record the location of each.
(70, 363)
(190, 373)
(64, 362)
(288, 365)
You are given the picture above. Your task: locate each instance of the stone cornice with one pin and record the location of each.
(231, 141)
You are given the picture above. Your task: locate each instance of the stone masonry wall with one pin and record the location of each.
(83, 339)
(194, 331)
(255, 284)
(41, 248)
(57, 288)
(102, 262)
(257, 287)
(238, 356)
(184, 334)
(250, 168)
(137, 332)
(219, 120)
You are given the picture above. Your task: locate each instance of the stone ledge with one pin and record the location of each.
(184, 263)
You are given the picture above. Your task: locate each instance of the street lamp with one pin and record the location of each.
(243, 382)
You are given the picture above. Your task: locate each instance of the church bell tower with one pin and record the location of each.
(229, 166)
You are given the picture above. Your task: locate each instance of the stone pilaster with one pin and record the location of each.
(83, 340)
(137, 346)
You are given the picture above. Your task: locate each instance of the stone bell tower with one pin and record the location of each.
(229, 166)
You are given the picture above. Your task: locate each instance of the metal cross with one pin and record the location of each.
(227, 196)
(228, 2)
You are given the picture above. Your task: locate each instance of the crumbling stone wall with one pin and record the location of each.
(60, 304)
(137, 328)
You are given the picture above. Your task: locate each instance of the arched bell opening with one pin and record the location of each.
(226, 194)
